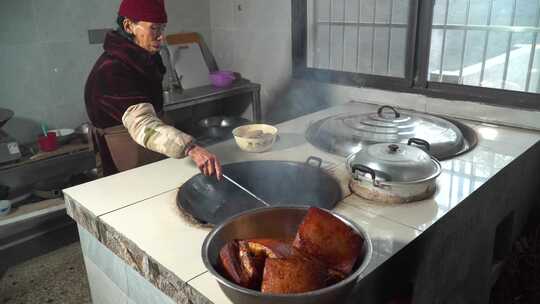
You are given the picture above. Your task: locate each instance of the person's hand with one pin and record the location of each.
(205, 161)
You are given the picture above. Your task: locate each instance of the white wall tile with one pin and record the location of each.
(140, 291)
(188, 15)
(24, 88)
(102, 289)
(17, 22)
(221, 14)
(61, 20)
(112, 280)
(107, 262)
(223, 48)
(103, 13)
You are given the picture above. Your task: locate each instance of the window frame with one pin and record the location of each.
(416, 65)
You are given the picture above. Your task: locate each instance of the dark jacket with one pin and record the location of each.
(124, 75)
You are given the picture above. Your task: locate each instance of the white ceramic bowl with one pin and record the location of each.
(255, 138)
(5, 207)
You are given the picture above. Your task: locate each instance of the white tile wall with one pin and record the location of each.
(253, 37)
(102, 289)
(107, 262)
(14, 25)
(141, 291)
(112, 280)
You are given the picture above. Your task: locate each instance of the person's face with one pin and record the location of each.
(148, 35)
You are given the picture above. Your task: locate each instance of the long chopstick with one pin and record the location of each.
(245, 190)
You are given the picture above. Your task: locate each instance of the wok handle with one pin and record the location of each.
(381, 109)
(419, 142)
(316, 159)
(364, 169)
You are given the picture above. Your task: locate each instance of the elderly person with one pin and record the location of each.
(124, 100)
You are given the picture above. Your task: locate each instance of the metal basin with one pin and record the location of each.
(220, 127)
(276, 182)
(281, 223)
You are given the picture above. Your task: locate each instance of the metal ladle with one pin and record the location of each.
(245, 190)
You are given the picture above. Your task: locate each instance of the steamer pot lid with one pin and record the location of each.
(348, 133)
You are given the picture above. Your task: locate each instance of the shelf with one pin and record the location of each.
(29, 211)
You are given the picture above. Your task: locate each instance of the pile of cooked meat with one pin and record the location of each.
(323, 252)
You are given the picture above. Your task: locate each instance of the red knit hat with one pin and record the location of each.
(144, 10)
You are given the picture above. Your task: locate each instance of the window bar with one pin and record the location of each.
(444, 41)
(343, 41)
(389, 38)
(358, 36)
(369, 24)
(331, 18)
(465, 32)
(492, 28)
(316, 57)
(373, 37)
(533, 51)
(486, 37)
(509, 46)
(538, 85)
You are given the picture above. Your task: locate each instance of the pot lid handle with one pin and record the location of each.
(316, 159)
(419, 142)
(364, 169)
(381, 109)
(393, 148)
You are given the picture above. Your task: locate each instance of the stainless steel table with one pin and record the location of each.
(204, 94)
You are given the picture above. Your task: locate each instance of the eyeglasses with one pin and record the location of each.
(156, 29)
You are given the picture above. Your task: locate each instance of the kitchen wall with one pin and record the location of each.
(254, 37)
(45, 56)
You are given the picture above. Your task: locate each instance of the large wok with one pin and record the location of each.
(276, 182)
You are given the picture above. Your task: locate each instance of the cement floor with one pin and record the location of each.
(57, 277)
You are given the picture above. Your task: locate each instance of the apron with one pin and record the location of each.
(126, 154)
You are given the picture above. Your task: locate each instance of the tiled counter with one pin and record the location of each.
(132, 231)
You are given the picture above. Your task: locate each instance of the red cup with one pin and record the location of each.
(48, 143)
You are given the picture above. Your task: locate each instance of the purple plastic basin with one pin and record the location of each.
(222, 79)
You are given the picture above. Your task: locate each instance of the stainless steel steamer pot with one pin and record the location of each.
(394, 173)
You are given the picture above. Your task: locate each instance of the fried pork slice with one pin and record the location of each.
(271, 248)
(328, 239)
(292, 275)
(239, 266)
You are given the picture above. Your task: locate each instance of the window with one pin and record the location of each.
(485, 50)
(486, 44)
(358, 36)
